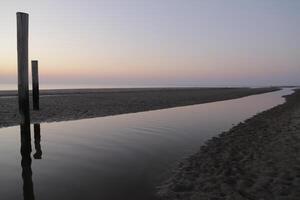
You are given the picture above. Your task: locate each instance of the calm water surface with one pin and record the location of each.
(115, 158)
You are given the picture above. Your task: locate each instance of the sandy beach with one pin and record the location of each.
(61, 105)
(257, 159)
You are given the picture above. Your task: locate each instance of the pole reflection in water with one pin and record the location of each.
(26, 162)
(37, 141)
(28, 192)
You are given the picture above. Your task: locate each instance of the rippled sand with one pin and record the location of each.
(258, 159)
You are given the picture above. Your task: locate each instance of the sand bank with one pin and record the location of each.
(61, 105)
(258, 159)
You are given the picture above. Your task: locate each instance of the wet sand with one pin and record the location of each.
(62, 105)
(257, 159)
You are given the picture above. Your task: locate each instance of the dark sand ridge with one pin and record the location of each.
(61, 105)
(257, 159)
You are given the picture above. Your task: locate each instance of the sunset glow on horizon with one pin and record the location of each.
(156, 43)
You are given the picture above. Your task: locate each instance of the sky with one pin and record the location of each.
(157, 42)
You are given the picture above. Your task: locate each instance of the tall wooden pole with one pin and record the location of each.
(35, 85)
(22, 43)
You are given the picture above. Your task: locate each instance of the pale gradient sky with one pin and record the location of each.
(157, 42)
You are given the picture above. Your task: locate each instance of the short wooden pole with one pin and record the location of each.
(22, 45)
(35, 85)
